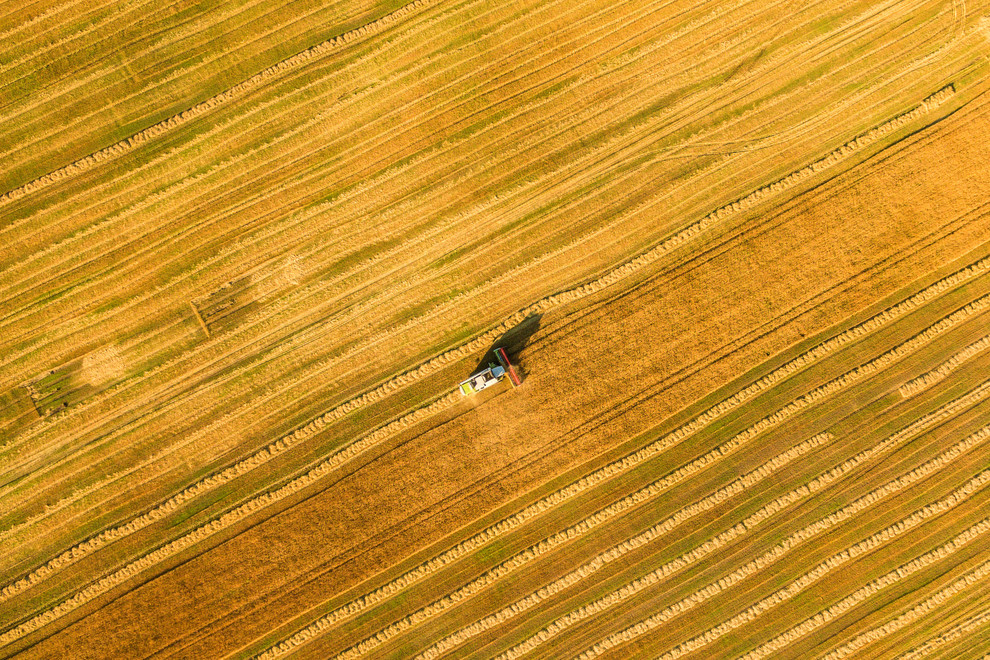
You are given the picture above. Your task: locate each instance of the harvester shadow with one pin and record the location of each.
(513, 341)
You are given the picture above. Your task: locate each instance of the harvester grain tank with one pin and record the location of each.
(493, 374)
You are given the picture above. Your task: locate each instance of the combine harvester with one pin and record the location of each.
(493, 374)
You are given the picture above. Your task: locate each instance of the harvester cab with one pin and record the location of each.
(493, 374)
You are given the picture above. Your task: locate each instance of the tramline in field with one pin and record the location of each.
(493, 374)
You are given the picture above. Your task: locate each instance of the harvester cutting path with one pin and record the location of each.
(493, 374)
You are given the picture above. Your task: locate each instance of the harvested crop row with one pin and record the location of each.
(544, 305)
(203, 107)
(959, 631)
(861, 504)
(923, 609)
(724, 450)
(575, 531)
(939, 373)
(808, 626)
(621, 466)
(229, 518)
(719, 541)
(839, 559)
(597, 519)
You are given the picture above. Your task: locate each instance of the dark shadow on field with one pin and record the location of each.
(513, 341)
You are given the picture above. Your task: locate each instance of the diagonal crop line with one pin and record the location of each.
(925, 608)
(875, 586)
(237, 91)
(964, 629)
(581, 528)
(820, 571)
(811, 398)
(939, 373)
(623, 465)
(900, 351)
(721, 540)
(543, 305)
(619, 273)
(216, 525)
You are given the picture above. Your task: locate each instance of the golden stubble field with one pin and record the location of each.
(740, 251)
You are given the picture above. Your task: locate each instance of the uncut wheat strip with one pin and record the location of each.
(875, 586)
(724, 450)
(923, 609)
(506, 525)
(224, 521)
(798, 586)
(232, 93)
(550, 543)
(710, 546)
(722, 539)
(940, 372)
(964, 629)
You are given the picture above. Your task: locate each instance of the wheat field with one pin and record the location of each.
(740, 252)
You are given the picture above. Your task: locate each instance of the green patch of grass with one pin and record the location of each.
(419, 309)
(201, 505)
(490, 554)
(351, 260)
(453, 255)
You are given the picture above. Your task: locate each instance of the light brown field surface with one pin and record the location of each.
(740, 252)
